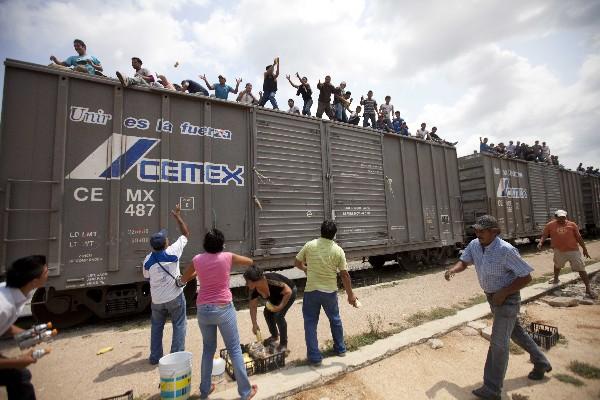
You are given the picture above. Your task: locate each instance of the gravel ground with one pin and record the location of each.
(82, 374)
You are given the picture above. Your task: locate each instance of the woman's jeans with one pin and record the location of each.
(211, 317)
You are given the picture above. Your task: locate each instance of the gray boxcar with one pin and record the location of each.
(545, 193)
(499, 187)
(572, 196)
(590, 187)
(89, 170)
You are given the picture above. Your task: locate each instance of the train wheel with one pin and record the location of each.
(376, 261)
(57, 308)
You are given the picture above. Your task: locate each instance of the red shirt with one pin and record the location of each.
(563, 237)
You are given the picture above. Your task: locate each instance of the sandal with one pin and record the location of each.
(253, 392)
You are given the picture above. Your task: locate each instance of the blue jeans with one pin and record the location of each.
(311, 308)
(506, 327)
(306, 107)
(276, 321)
(340, 112)
(211, 316)
(366, 118)
(268, 96)
(176, 309)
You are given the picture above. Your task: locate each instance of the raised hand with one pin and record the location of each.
(203, 77)
(238, 80)
(298, 75)
(177, 211)
(288, 77)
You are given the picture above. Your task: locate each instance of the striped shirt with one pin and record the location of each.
(369, 105)
(497, 265)
(324, 259)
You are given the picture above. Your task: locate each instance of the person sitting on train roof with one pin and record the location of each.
(397, 122)
(142, 77)
(355, 116)
(193, 87)
(161, 268)
(82, 62)
(270, 84)
(404, 129)
(434, 137)
(293, 109)
(423, 133)
(246, 96)
(382, 124)
(221, 89)
(580, 168)
(305, 91)
(23, 277)
(510, 149)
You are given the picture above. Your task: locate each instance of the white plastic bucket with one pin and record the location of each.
(175, 372)
(218, 370)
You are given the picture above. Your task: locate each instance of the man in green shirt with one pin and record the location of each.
(321, 259)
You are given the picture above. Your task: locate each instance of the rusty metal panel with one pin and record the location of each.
(290, 203)
(358, 186)
(572, 197)
(130, 155)
(590, 187)
(500, 187)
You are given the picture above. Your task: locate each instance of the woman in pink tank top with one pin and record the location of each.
(215, 310)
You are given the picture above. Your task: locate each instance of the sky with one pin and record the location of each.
(506, 70)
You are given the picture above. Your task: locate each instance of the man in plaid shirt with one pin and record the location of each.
(502, 273)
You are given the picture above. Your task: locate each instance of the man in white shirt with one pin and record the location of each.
(511, 148)
(161, 267)
(387, 109)
(22, 278)
(246, 95)
(293, 109)
(422, 133)
(545, 152)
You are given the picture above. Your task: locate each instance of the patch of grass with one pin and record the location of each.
(425, 316)
(584, 370)
(569, 379)
(562, 339)
(473, 301)
(354, 342)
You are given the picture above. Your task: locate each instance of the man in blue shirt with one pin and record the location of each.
(502, 273)
(484, 147)
(221, 89)
(397, 122)
(82, 62)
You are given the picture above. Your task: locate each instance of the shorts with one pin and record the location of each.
(573, 257)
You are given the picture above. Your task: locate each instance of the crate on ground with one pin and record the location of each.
(128, 395)
(545, 336)
(256, 365)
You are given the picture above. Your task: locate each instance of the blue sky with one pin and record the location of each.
(510, 69)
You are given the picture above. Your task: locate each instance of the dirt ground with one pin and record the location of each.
(74, 371)
(454, 370)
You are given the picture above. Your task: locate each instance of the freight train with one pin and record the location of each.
(88, 170)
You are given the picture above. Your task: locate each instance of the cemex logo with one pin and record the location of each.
(504, 190)
(130, 151)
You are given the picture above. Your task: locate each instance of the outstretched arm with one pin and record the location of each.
(182, 225)
(292, 83)
(277, 72)
(241, 261)
(237, 85)
(208, 85)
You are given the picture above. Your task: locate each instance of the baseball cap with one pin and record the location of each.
(486, 222)
(560, 213)
(222, 77)
(158, 239)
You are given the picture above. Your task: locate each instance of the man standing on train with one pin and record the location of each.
(565, 238)
(161, 267)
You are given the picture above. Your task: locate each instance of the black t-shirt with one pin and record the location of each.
(326, 90)
(270, 84)
(276, 284)
(305, 91)
(195, 87)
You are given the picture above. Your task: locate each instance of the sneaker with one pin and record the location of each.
(485, 394)
(537, 374)
(122, 79)
(152, 362)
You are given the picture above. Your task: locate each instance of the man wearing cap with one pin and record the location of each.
(502, 273)
(221, 89)
(161, 267)
(565, 238)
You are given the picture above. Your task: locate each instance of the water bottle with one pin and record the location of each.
(39, 338)
(33, 331)
(39, 353)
